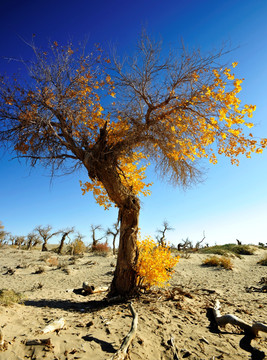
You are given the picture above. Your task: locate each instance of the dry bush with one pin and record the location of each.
(77, 247)
(44, 257)
(101, 249)
(52, 261)
(9, 297)
(216, 261)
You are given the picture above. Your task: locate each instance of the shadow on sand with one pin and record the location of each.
(245, 342)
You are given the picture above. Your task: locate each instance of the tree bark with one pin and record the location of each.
(102, 164)
(44, 246)
(124, 281)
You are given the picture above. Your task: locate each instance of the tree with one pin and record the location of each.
(65, 233)
(169, 111)
(3, 234)
(44, 233)
(161, 238)
(33, 239)
(114, 232)
(19, 241)
(93, 231)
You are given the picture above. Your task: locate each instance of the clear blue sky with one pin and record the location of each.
(232, 201)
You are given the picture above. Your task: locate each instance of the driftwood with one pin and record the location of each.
(223, 320)
(174, 348)
(46, 342)
(55, 325)
(1, 339)
(122, 352)
(89, 289)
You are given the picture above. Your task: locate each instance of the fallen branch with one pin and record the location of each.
(2, 342)
(174, 348)
(46, 342)
(223, 320)
(55, 325)
(93, 290)
(122, 352)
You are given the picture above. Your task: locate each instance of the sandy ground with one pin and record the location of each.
(95, 329)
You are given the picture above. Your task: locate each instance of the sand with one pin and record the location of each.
(95, 329)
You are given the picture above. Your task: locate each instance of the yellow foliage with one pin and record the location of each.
(132, 176)
(155, 264)
(208, 114)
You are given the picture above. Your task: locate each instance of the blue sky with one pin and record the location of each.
(232, 201)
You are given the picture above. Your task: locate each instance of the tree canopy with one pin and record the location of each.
(171, 111)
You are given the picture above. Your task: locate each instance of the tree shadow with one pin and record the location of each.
(245, 342)
(105, 346)
(68, 305)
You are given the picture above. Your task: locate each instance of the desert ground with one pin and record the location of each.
(173, 322)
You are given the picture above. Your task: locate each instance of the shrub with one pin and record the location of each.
(101, 248)
(243, 250)
(155, 264)
(52, 261)
(263, 261)
(229, 248)
(222, 261)
(9, 297)
(77, 247)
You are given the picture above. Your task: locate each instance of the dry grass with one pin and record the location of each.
(52, 261)
(227, 249)
(216, 261)
(9, 297)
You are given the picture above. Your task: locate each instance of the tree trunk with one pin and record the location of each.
(60, 248)
(114, 246)
(44, 247)
(124, 281)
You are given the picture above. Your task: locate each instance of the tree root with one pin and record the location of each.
(222, 320)
(122, 352)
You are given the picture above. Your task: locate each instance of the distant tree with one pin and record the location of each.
(169, 110)
(94, 228)
(3, 234)
(19, 241)
(44, 233)
(65, 233)
(11, 239)
(32, 240)
(200, 241)
(185, 245)
(161, 238)
(114, 232)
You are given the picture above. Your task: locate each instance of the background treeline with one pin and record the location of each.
(71, 241)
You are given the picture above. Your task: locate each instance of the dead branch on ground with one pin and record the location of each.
(223, 320)
(55, 325)
(122, 352)
(90, 289)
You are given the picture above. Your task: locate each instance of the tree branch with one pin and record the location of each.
(122, 352)
(223, 320)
